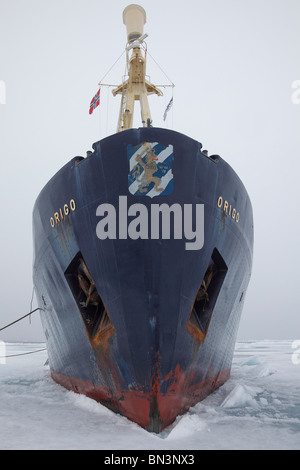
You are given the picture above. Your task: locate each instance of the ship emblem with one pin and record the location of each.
(150, 169)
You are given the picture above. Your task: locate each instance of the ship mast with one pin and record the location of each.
(135, 87)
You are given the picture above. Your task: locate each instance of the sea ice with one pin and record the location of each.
(257, 408)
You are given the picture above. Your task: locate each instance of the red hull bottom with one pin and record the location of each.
(151, 410)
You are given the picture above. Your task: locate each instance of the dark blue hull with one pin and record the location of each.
(143, 255)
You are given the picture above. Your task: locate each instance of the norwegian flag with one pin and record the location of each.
(95, 102)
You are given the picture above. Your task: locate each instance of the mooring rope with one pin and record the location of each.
(23, 354)
(16, 321)
(21, 318)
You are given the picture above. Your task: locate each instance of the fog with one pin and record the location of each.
(236, 69)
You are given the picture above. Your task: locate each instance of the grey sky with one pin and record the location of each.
(233, 63)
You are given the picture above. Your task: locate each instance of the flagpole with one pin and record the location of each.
(100, 121)
(173, 109)
(107, 109)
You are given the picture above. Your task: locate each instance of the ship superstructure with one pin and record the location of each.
(135, 87)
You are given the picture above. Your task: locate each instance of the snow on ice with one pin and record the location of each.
(257, 408)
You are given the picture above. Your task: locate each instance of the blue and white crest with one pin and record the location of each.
(150, 169)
